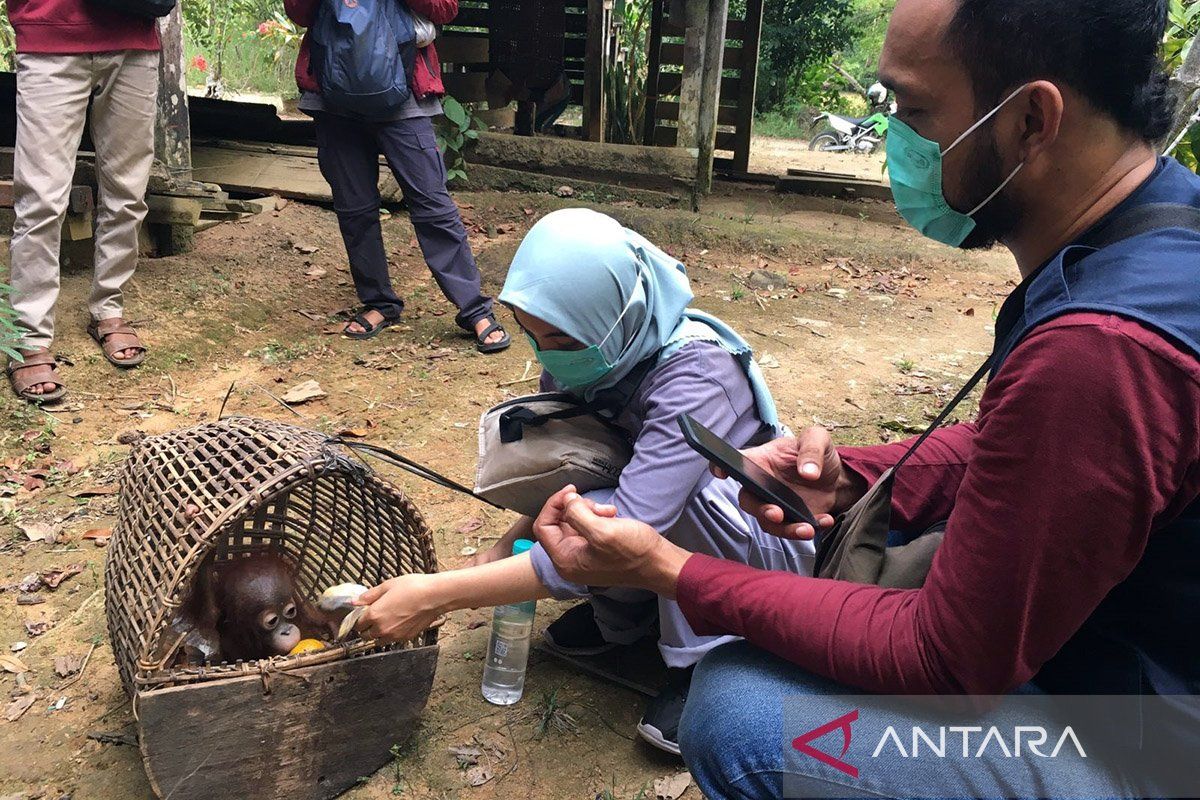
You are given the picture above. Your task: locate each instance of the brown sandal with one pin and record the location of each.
(22, 381)
(114, 335)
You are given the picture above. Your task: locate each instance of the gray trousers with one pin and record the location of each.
(52, 102)
(348, 152)
(713, 524)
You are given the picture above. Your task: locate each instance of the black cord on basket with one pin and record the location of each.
(410, 466)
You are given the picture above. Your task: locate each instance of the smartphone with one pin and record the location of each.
(751, 476)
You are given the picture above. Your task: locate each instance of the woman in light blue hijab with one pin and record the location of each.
(607, 315)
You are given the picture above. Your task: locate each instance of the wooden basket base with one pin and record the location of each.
(313, 736)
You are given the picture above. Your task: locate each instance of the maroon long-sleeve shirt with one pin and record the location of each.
(1087, 442)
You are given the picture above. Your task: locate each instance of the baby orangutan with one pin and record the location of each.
(253, 606)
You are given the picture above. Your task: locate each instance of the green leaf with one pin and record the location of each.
(455, 112)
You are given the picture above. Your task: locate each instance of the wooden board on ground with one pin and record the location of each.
(819, 173)
(309, 734)
(658, 168)
(638, 668)
(845, 188)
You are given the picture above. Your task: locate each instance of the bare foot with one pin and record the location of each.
(481, 326)
(371, 315)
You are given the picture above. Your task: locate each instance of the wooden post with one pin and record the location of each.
(595, 113)
(172, 131)
(653, 68)
(748, 79)
(710, 91)
(691, 90)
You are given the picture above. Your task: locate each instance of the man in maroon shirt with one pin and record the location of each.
(1071, 558)
(72, 55)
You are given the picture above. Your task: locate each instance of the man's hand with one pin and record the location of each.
(589, 544)
(810, 465)
(399, 609)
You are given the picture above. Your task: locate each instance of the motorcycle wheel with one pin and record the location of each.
(825, 141)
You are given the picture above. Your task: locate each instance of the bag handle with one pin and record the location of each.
(410, 466)
(606, 407)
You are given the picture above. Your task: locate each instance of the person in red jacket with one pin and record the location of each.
(70, 53)
(348, 150)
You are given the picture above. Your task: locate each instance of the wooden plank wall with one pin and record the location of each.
(463, 51)
(735, 112)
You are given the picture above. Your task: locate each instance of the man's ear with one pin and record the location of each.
(1042, 107)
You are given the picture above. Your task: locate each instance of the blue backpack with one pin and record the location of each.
(363, 54)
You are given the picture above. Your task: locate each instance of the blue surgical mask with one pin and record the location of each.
(579, 369)
(915, 170)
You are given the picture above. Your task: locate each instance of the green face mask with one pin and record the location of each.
(579, 369)
(915, 170)
(573, 369)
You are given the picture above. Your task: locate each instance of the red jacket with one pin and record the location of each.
(427, 73)
(77, 26)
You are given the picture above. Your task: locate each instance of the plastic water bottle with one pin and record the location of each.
(508, 648)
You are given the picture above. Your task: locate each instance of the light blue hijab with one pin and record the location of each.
(578, 270)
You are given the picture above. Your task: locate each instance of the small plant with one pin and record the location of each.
(550, 717)
(274, 352)
(905, 366)
(456, 128)
(737, 293)
(10, 332)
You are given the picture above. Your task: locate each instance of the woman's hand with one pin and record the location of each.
(589, 544)
(399, 609)
(810, 465)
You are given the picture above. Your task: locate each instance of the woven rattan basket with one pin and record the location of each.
(299, 726)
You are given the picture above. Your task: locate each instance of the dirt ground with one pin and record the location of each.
(866, 330)
(773, 156)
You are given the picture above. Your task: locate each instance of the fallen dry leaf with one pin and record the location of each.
(671, 787)
(68, 665)
(54, 577)
(470, 525)
(12, 664)
(353, 433)
(37, 628)
(97, 535)
(39, 531)
(17, 708)
(477, 775)
(303, 392)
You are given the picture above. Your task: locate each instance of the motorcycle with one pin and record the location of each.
(846, 134)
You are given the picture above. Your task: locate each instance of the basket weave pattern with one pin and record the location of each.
(235, 487)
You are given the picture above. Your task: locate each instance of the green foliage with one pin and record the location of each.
(861, 56)
(1183, 24)
(10, 334)
(8, 40)
(798, 34)
(246, 45)
(625, 78)
(456, 129)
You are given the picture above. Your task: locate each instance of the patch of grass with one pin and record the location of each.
(905, 366)
(549, 716)
(782, 125)
(275, 352)
(737, 293)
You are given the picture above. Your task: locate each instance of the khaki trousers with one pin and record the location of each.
(53, 92)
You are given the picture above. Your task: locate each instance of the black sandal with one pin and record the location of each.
(369, 331)
(484, 346)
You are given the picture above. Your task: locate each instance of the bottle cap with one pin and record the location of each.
(522, 546)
